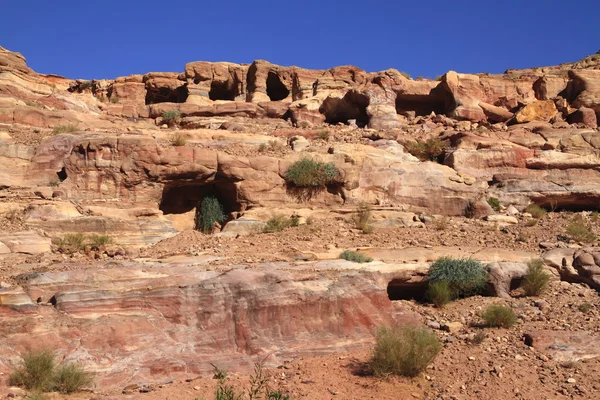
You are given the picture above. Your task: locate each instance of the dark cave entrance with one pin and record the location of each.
(167, 95)
(420, 105)
(276, 90)
(183, 197)
(352, 106)
(222, 91)
(399, 289)
(62, 174)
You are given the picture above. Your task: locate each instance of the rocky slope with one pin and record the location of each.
(132, 157)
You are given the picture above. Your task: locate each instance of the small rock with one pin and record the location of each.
(512, 210)
(471, 358)
(452, 327)
(433, 325)
(571, 380)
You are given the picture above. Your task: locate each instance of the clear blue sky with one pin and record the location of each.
(104, 39)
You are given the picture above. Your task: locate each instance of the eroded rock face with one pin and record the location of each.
(112, 319)
(576, 265)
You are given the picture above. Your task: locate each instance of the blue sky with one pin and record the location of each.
(104, 39)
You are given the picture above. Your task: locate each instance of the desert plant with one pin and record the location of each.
(323, 134)
(403, 351)
(441, 224)
(404, 74)
(209, 213)
(294, 220)
(36, 371)
(178, 139)
(499, 316)
(14, 215)
(70, 243)
(585, 307)
(536, 279)
(114, 99)
(277, 223)
(494, 203)
(58, 129)
(355, 256)
(430, 150)
(171, 117)
(97, 241)
(71, 378)
(310, 173)
(36, 395)
(536, 211)
(439, 293)
(219, 373)
(531, 222)
(579, 231)
(362, 218)
(478, 338)
(464, 276)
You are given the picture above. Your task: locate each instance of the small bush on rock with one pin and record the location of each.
(70, 378)
(464, 276)
(403, 351)
(97, 241)
(536, 211)
(36, 371)
(439, 293)
(498, 316)
(277, 223)
(355, 256)
(171, 117)
(311, 173)
(536, 279)
(429, 150)
(178, 139)
(208, 214)
(494, 203)
(579, 231)
(63, 129)
(70, 243)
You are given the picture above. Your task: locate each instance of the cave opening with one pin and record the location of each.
(400, 289)
(353, 106)
(276, 90)
(222, 91)
(62, 174)
(167, 95)
(420, 105)
(183, 197)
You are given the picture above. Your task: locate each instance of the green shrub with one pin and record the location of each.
(71, 378)
(277, 223)
(36, 371)
(464, 276)
(404, 352)
(531, 222)
(478, 338)
(441, 224)
(70, 243)
(114, 99)
(209, 212)
(86, 85)
(97, 241)
(498, 316)
(536, 211)
(63, 129)
(404, 74)
(171, 117)
(311, 173)
(585, 307)
(494, 203)
(440, 293)
(362, 218)
(294, 221)
(536, 279)
(430, 150)
(579, 231)
(355, 256)
(323, 134)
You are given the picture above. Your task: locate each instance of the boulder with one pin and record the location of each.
(541, 110)
(502, 275)
(585, 116)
